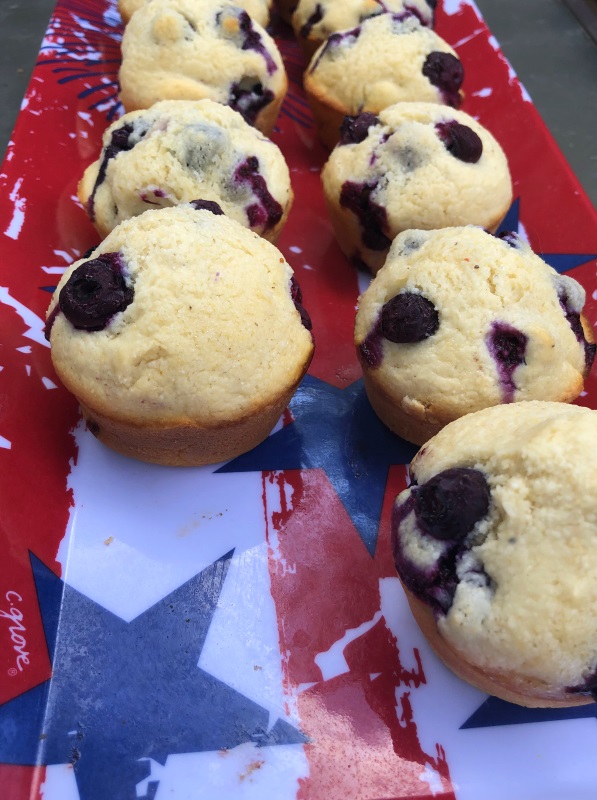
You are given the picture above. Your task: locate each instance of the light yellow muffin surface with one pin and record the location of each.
(183, 150)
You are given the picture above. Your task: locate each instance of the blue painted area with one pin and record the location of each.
(495, 712)
(561, 262)
(335, 430)
(123, 692)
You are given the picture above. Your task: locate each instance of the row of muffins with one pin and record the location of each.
(151, 325)
(457, 325)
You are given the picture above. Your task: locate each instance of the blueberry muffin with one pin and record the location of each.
(458, 320)
(183, 336)
(258, 10)
(385, 60)
(315, 20)
(191, 49)
(183, 150)
(495, 543)
(415, 165)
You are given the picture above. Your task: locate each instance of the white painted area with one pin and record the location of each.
(246, 606)
(55, 270)
(246, 772)
(5, 443)
(136, 533)
(18, 216)
(332, 662)
(539, 761)
(522, 232)
(309, 267)
(433, 779)
(26, 348)
(295, 249)
(60, 783)
(49, 384)
(468, 38)
(486, 92)
(35, 324)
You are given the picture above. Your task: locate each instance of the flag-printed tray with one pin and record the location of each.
(238, 631)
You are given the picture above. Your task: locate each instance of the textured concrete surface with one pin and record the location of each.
(550, 51)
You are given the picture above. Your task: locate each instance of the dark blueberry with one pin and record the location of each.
(313, 20)
(447, 73)
(449, 505)
(248, 38)
(587, 687)
(87, 253)
(434, 585)
(432, 4)
(355, 129)
(267, 212)
(95, 291)
(248, 98)
(460, 140)
(371, 349)
(207, 205)
(573, 318)
(507, 345)
(50, 321)
(297, 299)
(333, 41)
(120, 141)
(356, 197)
(409, 317)
(510, 237)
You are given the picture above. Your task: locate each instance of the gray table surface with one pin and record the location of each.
(554, 57)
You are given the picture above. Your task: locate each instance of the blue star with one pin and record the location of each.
(338, 431)
(495, 712)
(123, 692)
(561, 262)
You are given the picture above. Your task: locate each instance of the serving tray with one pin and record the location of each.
(238, 631)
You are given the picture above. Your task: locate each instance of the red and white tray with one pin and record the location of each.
(238, 631)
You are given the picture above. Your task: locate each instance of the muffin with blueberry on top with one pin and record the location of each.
(191, 49)
(179, 150)
(387, 59)
(415, 165)
(458, 320)
(315, 20)
(183, 336)
(258, 10)
(495, 542)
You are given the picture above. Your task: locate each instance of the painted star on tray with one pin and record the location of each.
(335, 430)
(124, 692)
(561, 262)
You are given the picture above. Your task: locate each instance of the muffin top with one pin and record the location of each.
(183, 150)
(386, 59)
(259, 10)
(190, 49)
(316, 20)
(180, 315)
(417, 165)
(458, 320)
(503, 507)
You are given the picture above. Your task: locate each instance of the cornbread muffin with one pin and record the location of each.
(191, 49)
(258, 10)
(495, 543)
(458, 320)
(385, 60)
(315, 20)
(183, 336)
(416, 165)
(183, 150)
